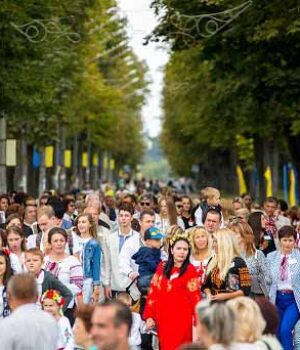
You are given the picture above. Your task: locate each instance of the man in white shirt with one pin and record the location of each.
(112, 280)
(127, 266)
(27, 327)
(111, 324)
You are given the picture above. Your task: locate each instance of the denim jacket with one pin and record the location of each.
(91, 261)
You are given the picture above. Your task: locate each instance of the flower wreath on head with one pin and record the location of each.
(6, 251)
(178, 236)
(53, 295)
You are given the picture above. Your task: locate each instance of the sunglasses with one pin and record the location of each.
(179, 206)
(145, 204)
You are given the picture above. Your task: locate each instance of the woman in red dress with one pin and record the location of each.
(173, 295)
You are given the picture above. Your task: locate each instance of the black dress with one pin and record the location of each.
(237, 278)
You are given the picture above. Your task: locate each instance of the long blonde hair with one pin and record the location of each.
(193, 232)
(248, 318)
(227, 250)
(217, 318)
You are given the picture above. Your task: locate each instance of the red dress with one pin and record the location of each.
(171, 303)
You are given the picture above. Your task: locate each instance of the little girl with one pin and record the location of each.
(53, 302)
(5, 274)
(89, 256)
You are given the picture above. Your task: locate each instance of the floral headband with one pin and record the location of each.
(53, 295)
(178, 236)
(6, 251)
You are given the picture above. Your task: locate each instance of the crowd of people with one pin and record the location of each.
(142, 270)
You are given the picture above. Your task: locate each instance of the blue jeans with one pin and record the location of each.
(87, 290)
(289, 315)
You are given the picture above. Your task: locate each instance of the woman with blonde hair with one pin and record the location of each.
(250, 325)
(256, 262)
(237, 203)
(201, 243)
(227, 273)
(242, 214)
(249, 320)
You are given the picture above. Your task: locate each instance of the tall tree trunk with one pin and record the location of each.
(62, 175)
(259, 158)
(42, 172)
(3, 187)
(275, 167)
(75, 162)
(24, 166)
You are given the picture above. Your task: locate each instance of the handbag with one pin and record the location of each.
(261, 278)
(133, 291)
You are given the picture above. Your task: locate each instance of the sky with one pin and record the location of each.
(141, 22)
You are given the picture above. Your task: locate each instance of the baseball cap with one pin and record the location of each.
(153, 233)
